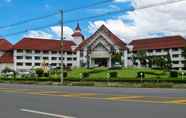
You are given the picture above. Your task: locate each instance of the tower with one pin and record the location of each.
(77, 35)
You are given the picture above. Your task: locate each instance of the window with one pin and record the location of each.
(28, 64)
(28, 57)
(54, 52)
(45, 58)
(74, 58)
(69, 53)
(54, 58)
(69, 59)
(37, 51)
(60, 58)
(74, 53)
(28, 51)
(174, 49)
(45, 52)
(150, 51)
(37, 64)
(175, 56)
(19, 64)
(19, 51)
(54, 64)
(19, 57)
(81, 53)
(175, 62)
(158, 50)
(37, 58)
(69, 64)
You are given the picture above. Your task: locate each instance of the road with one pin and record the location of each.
(32, 101)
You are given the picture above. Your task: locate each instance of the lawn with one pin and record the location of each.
(125, 73)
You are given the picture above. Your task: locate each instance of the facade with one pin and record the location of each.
(95, 51)
(163, 46)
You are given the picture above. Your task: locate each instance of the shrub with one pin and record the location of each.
(85, 75)
(113, 74)
(140, 74)
(173, 74)
(65, 74)
(39, 72)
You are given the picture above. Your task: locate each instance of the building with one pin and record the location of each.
(160, 47)
(96, 50)
(6, 54)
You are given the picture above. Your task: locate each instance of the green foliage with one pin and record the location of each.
(113, 74)
(85, 74)
(141, 75)
(39, 72)
(173, 74)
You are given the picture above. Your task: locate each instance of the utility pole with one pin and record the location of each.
(61, 14)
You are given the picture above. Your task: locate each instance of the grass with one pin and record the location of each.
(128, 73)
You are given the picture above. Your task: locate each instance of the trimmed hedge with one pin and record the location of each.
(173, 74)
(113, 74)
(141, 74)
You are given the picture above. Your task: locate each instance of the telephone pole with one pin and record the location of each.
(62, 19)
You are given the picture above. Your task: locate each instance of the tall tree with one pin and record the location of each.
(142, 57)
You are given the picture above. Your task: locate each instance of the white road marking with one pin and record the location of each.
(45, 113)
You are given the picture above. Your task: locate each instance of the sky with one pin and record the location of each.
(131, 24)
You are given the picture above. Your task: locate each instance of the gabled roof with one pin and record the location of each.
(159, 43)
(117, 41)
(43, 44)
(5, 45)
(7, 57)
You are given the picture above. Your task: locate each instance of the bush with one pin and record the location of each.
(65, 74)
(140, 74)
(85, 75)
(113, 74)
(173, 74)
(39, 72)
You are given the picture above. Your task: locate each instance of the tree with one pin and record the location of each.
(142, 57)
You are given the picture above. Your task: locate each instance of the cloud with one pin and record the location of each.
(52, 32)
(121, 0)
(39, 34)
(155, 21)
(67, 32)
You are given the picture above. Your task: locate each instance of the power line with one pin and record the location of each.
(53, 14)
(159, 4)
(26, 30)
(84, 18)
(88, 6)
(28, 20)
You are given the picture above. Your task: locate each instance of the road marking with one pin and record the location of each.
(45, 113)
(124, 97)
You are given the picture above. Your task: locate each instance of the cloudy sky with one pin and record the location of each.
(138, 19)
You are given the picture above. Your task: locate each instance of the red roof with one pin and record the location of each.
(7, 57)
(43, 44)
(5, 45)
(117, 41)
(159, 43)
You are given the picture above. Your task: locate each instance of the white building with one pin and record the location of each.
(160, 47)
(97, 50)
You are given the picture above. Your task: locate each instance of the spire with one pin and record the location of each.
(78, 27)
(77, 32)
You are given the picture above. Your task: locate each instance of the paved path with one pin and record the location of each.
(32, 101)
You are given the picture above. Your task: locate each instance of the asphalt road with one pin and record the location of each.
(31, 101)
